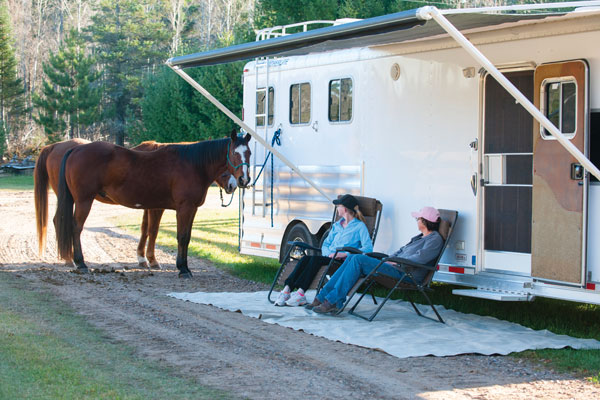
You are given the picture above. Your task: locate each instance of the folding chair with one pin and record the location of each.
(407, 283)
(371, 209)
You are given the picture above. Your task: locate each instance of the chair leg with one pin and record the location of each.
(370, 318)
(439, 317)
(374, 300)
(279, 271)
(433, 307)
(351, 311)
(324, 274)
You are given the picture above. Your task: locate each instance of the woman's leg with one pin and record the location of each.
(291, 280)
(329, 286)
(307, 275)
(351, 270)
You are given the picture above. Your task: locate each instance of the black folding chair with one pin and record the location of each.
(407, 283)
(370, 208)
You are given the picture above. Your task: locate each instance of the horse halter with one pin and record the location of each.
(229, 160)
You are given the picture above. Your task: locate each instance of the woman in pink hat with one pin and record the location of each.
(422, 249)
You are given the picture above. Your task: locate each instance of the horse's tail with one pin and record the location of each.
(40, 189)
(64, 213)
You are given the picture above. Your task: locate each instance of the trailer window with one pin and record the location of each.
(340, 100)
(300, 103)
(560, 103)
(260, 105)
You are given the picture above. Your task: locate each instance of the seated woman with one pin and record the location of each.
(350, 230)
(422, 249)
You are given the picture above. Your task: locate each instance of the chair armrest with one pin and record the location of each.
(348, 249)
(379, 256)
(407, 263)
(303, 245)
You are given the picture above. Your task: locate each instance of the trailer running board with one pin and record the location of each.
(494, 295)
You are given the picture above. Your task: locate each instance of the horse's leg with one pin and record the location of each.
(82, 210)
(68, 263)
(141, 249)
(185, 219)
(153, 225)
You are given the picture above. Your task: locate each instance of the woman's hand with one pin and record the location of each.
(341, 256)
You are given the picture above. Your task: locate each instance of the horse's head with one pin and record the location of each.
(238, 158)
(227, 182)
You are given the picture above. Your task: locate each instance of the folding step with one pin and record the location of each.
(493, 294)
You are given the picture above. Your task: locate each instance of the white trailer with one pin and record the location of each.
(503, 127)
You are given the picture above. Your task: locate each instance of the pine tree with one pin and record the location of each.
(70, 96)
(130, 39)
(12, 93)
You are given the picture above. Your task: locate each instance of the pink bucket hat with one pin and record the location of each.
(429, 213)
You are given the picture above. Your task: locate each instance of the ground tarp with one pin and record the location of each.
(397, 329)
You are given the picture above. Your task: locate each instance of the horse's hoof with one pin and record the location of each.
(143, 265)
(185, 275)
(82, 270)
(156, 267)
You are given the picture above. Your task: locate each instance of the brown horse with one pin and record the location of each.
(46, 174)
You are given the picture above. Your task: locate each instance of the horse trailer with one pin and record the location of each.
(493, 114)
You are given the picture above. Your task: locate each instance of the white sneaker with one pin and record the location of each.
(296, 299)
(282, 298)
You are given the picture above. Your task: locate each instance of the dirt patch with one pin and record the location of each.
(229, 351)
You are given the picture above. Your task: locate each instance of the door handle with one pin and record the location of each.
(577, 172)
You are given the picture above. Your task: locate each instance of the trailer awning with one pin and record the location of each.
(386, 29)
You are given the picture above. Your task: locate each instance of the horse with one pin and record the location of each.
(46, 174)
(175, 177)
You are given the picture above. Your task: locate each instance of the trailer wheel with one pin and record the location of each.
(298, 233)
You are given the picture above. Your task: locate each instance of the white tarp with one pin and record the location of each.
(397, 329)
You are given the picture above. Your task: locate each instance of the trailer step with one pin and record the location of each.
(493, 295)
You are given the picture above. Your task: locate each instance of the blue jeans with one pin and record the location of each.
(345, 277)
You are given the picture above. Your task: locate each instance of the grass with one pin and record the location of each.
(49, 352)
(214, 237)
(16, 182)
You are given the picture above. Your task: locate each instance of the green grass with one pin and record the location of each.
(49, 352)
(16, 182)
(215, 234)
(215, 238)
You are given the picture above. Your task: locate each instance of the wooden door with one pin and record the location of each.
(559, 186)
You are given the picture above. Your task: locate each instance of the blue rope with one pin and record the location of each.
(276, 140)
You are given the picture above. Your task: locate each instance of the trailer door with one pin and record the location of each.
(507, 168)
(559, 183)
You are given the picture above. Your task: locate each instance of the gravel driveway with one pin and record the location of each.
(229, 351)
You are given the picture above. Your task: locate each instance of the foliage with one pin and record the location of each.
(130, 38)
(173, 111)
(12, 94)
(2, 139)
(70, 99)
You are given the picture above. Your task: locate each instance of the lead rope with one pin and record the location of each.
(275, 140)
(221, 194)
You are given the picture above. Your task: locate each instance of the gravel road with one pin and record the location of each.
(229, 351)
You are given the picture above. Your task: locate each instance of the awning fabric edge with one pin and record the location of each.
(279, 45)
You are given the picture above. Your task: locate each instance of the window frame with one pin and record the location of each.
(270, 117)
(544, 105)
(340, 121)
(299, 84)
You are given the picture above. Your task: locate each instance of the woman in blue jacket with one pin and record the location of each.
(350, 230)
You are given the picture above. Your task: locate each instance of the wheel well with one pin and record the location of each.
(316, 237)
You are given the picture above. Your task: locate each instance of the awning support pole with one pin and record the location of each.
(429, 12)
(245, 127)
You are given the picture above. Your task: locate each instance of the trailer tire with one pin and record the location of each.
(298, 233)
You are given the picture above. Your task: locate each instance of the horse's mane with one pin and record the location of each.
(204, 153)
